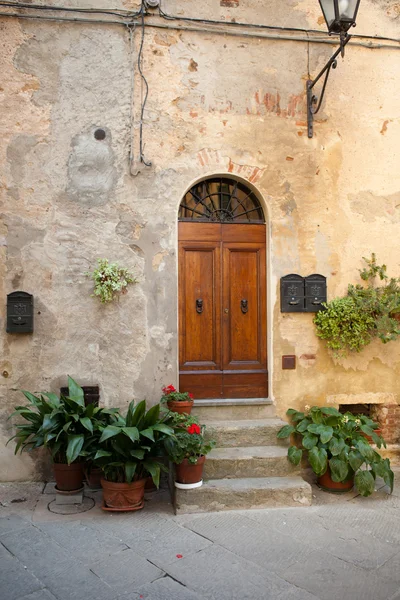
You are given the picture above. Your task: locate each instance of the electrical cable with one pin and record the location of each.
(113, 12)
(146, 86)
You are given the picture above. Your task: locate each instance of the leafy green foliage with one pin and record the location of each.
(188, 441)
(63, 424)
(171, 394)
(338, 441)
(110, 280)
(132, 447)
(350, 323)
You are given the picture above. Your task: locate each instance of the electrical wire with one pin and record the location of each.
(167, 16)
(46, 7)
(146, 87)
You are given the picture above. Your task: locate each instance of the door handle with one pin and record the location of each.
(244, 306)
(199, 306)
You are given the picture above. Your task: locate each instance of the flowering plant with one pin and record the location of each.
(110, 280)
(338, 441)
(171, 394)
(188, 441)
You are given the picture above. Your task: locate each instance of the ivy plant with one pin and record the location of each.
(367, 312)
(331, 439)
(110, 280)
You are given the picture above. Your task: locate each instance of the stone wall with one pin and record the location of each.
(222, 100)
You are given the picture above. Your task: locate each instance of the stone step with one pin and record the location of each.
(234, 409)
(242, 494)
(254, 461)
(230, 434)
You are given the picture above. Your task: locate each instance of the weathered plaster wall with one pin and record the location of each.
(217, 104)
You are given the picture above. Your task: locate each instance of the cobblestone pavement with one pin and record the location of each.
(343, 547)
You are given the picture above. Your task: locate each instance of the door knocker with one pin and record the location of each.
(244, 306)
(199, 306)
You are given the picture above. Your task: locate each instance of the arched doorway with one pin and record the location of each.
(222, 291)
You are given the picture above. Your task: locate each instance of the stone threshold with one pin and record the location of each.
(233, 402)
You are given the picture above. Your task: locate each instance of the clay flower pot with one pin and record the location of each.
(187, 473)
(68, 477)
(180, 407)
(123, 496)
(369, 438)
(326, 483)
(93, 477)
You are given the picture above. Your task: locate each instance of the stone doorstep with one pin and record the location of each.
(254, 461)
(256, 432)
(241, 494)
(234, 409)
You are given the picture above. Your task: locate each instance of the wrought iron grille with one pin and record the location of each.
(222, 200)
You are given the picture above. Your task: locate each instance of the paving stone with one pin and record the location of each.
(162, 545)
(38, 552)
(330, 578)
(391, 568)
(166, 589)
(85, 543)
(123, 526)
(40, 595)
(261, 545)
(12, 523)
(218, 574)
(126, 571)
(15, 579)
(78, 583)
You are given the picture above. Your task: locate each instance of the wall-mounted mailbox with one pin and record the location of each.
(19, 312)
(292, 293)
(315, 287)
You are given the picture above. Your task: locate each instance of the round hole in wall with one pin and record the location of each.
(100, 134)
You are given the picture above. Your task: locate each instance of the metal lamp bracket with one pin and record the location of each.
(313, 102)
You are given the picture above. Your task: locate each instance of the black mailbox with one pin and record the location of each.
(292, 293)
(19, 312)
(315, 286)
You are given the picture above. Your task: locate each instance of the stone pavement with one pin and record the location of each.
(343, 547)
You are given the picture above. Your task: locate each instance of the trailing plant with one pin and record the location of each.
(64, 425)
(338, 441)
(170, 394)
(130, 448)
(368, 311)
(188, 441)
(110, 280)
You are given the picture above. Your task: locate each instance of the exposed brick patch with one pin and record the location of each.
(388, 417)
(229, 3)
(261, 104)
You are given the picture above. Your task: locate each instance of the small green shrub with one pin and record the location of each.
(350, 323)
(110, 280)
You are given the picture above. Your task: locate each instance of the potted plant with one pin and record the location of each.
(337, 449)
(187, 450)
(129, 452)
(65, 426)
(179, 402)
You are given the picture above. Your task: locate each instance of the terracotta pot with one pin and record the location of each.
(123, 496)
(180, 407)
(68, 477)
(185, 472)
(150, 487)
(369, 438)
(93, 476)
(326, 483)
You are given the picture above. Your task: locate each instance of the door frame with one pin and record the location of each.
(270, 279)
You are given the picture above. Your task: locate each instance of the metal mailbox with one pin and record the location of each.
(315, 292)
(292, 293)
(19, 312)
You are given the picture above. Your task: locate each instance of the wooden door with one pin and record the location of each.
(222, 310)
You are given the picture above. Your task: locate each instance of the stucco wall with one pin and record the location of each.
(218, 103)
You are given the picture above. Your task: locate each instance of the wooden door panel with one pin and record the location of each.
(245, 384)
(202, 384)
(244, 307)
(199, 282)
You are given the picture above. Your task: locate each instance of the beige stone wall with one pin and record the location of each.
(218, 104)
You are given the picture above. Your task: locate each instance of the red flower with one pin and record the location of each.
(191, 396)
(168, 389)
(179, 556)
(193, 429)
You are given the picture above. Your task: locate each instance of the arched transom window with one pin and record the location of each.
(223, 200)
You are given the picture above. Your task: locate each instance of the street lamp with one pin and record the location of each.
(339, 15)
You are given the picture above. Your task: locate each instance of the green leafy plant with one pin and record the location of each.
(170, 394)
(110, 280)
(350, 323)
(64, 425)
(338, 441)
(189, 441)
(130, 449)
